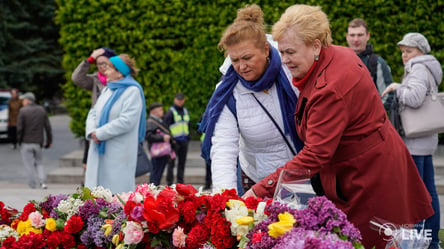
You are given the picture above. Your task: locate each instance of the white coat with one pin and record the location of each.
(252, 137)
(115, 169)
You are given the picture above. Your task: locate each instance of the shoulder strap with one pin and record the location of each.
(372, 66)
(160, 126)
(277, 126)
(436, 81)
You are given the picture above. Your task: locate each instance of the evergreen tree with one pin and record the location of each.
(30, 56)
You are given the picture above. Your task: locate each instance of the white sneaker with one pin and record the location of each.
(43, 186)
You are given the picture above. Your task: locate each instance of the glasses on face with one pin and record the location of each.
(102, 64)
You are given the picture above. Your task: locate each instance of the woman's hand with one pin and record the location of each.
(94, 138)
(391, 88)
(97, 52)
(249, 193)
(166, 138)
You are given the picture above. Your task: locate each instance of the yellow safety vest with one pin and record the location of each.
(180, 127)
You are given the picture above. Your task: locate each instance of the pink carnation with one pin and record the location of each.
(36, 219)
(179, 237)
(133, 233)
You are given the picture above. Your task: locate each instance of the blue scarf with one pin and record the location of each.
(118, 88)
(273, 74)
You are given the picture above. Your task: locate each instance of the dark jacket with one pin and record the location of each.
(32, 123)
(365, 167)
(380, 72)
(152, 134)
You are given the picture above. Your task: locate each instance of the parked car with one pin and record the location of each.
(4, 98)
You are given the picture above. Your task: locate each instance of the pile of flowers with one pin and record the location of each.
(172, 217)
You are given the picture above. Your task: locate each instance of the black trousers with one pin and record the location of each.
(181, 149)
(12, 135)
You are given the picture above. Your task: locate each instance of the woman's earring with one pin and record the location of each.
(268, 59)
(316, 57)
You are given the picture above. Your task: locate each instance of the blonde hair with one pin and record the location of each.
(309, 23)
(248, 25)
(130, 62)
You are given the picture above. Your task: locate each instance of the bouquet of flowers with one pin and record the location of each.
(172, 217)
(320, 225)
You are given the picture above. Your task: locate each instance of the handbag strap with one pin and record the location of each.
(436, 81)
(277, 126)
(159, 125)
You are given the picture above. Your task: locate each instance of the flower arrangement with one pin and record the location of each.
(172, 217)
(320, 225)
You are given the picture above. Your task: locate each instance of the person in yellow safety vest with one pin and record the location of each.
(177, 118)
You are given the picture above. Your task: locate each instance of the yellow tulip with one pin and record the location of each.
(115, 239)
(245, 220)
(285, 224)
(51, 224)
(286, 217)
(34, 230)
(108, 229)
(232, 202)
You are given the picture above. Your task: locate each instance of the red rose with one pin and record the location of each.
(161, 210)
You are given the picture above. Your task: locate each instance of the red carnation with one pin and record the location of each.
(74, 225)
(252, 202)
(8, 242)
(54, 239)
(29, 208)
(189, 210)
(81, 246)
(68, 241)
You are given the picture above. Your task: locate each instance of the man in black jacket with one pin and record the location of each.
(32, 124)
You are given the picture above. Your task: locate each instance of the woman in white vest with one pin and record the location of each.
(236, 124)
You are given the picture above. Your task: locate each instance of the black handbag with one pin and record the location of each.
(143, 163)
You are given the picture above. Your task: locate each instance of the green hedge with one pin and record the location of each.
(174, 42)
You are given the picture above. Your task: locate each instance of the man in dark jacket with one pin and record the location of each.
(32, 124)
(357, 39)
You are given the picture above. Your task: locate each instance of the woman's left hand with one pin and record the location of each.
(249, 193)
(391, 88)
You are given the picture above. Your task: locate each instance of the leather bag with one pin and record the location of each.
(143, 163)
(427, 119)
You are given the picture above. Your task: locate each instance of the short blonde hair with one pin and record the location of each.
(130, 62)
(309, 23)
(248, 25)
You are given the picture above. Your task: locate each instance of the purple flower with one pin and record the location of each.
(317, 226)
(137, 213)
(51, 203)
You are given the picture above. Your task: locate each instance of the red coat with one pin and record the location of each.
(353, 146)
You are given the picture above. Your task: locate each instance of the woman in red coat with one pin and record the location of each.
(363, 164)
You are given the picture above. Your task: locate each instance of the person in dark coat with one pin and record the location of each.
(157, 131)
(32, 127)
(364, 167)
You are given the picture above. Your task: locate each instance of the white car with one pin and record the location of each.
(4, 98)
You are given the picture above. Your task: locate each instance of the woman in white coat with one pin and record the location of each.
(116, 125)
(236, 124)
